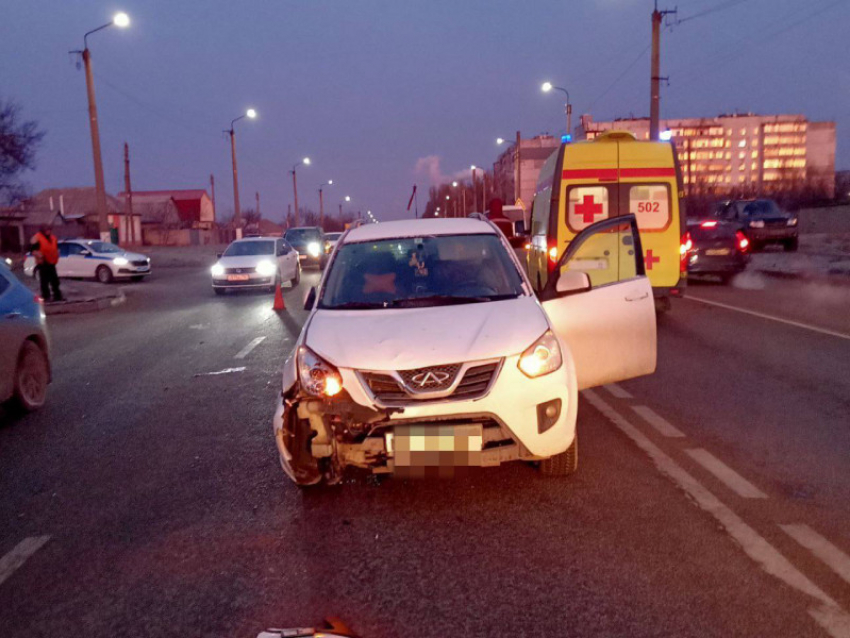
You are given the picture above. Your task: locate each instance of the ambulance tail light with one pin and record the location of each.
(742, 241)
(551, 257)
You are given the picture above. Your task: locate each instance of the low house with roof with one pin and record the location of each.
(175, 217)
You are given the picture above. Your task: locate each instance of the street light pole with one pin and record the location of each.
(568, 108)
(120, 20)
(306, 162)
(344, 199)
(474, 191)
(322, 203)
(237, 210)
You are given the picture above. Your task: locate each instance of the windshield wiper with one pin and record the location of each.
(446, 300)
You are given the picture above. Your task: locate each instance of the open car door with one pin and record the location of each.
(600, 303)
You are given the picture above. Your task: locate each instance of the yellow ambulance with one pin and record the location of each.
(614, 174)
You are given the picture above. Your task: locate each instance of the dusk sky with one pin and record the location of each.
(373, 89)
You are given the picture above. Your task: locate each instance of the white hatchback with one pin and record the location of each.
(255, 262)
(426, 348)
(95, 259)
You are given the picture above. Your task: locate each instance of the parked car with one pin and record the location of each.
(511, 231)
(309, 241)
(714, 247)
(95, 259)
(24, 344)
(761, 220)
(427, 335)
(258, 262)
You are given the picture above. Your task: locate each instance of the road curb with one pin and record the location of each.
(84, 305)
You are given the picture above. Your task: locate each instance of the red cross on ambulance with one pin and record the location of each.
(587, 209)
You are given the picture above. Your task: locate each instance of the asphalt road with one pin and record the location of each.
(146, 499)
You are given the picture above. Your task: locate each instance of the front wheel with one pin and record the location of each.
(297, 278)
(103, 274)
(562, 464)
(31, 377)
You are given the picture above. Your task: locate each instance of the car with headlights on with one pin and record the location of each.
(95, 259)
(331, 240)
(256, 262)
(762, 221)
(24, 344)
(309, 241)
(426, 348)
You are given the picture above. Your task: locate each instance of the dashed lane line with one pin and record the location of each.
(835, 559)
(244, 352)
(19, 554)
(617, 392)
(826, 612)
(797, 324)
(725, 474)
(664, 427)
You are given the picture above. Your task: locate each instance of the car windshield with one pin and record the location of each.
(333, 236)
(302, 235)
(762, 208)
(249, 248)
(421, 271)
(104, 247)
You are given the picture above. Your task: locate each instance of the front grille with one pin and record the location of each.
(239, 271)
(430, 379)
(389, 389)
(140, 262)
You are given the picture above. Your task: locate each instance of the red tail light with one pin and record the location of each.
(552, 257)
(38, 300)
(743, 242)
(686, 245)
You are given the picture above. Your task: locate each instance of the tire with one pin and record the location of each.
(297, 278)
(103, 274)
(790, 245)
(220, 291)
(32, 375)
(562, 464)
(137, 278)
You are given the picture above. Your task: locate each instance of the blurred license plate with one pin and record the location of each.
(717, 251)
(238, 277)
(435, 445)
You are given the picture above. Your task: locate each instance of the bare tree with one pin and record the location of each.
(19, 141)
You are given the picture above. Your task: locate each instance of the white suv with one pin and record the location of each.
(427, 349)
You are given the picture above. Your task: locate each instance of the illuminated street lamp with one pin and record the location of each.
(330, 182)
(344, 199)
(546, 88)
(305, 162)
(121, 20)
(237, 211)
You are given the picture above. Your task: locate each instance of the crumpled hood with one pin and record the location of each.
(408, 338)
(244, 261)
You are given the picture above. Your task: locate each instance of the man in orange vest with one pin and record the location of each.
(45, 249)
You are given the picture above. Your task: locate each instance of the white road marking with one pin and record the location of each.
(244, 352)
(225, 371)
(725, 474)
(797, 324)
(835, 559)
(19, 554)
(827, 613)
(664, 427)
(617, 392)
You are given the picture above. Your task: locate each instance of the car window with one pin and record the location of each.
(761, 208)
(650, 204)
(249, 248)
(5, 284)
(104, 247)
(607, 256)
(302, 235)
(71, 249)
(587, 205)
(423, 271)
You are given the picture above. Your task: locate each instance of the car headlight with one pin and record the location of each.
(314, 249)
(217, 270)
(757, 224)
(120, 261)
(317, 376)
(266, 268)
(792, 221)
(542, 357)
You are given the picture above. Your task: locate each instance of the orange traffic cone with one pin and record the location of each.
(278, 298)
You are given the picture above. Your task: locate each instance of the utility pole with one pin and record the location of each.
(237, 213)
(100, 188)
(322, 209)
(258, 205)
(655, 78)
(518, 185)
(295, 193)
(212, 186)
(128, 191)
(463, 191)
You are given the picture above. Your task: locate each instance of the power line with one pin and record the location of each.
(619, 77)
(728, 4)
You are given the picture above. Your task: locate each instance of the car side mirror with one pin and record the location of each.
(218, 255)
(310, 299)
(85, 253)
(572, 281)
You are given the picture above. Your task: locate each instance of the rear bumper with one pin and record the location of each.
(778, 233)
(712, 264)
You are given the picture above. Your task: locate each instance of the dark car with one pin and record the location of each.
(714, 247)
(309, 243)
(761, 220)
(24, 349)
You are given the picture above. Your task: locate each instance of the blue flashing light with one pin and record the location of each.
(566, 139)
